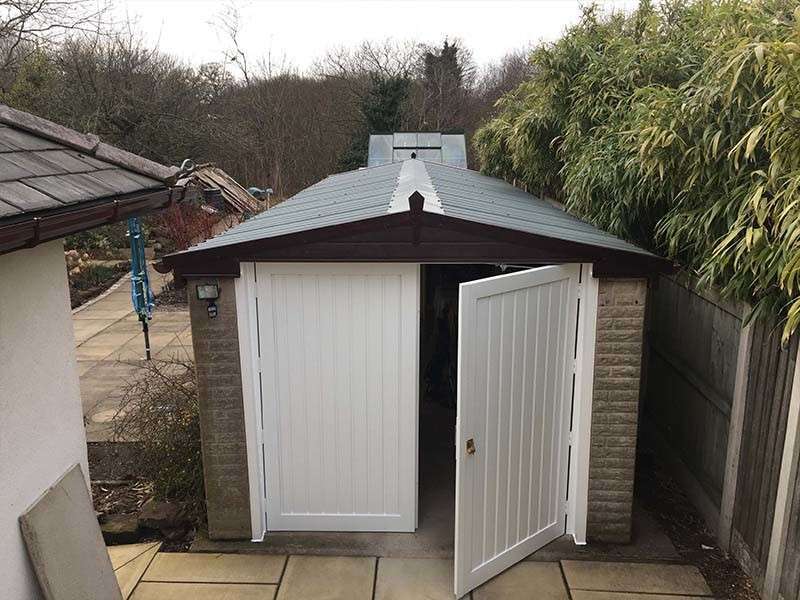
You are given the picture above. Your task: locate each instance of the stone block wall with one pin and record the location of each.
(615, 408)
(219, 381)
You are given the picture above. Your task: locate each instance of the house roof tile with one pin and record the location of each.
(44, 166)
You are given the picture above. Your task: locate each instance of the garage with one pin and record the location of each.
(415, 345)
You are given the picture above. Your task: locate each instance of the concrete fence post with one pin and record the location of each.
(725, 528)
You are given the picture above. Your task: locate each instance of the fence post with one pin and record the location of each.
(783, 500)
(735, 427)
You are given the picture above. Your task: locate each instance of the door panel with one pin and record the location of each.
(338, 348)
(516, 357)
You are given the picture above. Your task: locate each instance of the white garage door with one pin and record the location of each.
(515, 377)
(338, 359)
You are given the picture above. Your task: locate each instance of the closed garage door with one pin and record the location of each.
(338, 359)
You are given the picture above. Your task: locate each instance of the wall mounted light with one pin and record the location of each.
(209, 292)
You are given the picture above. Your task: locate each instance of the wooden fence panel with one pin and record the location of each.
(790, 572)
(694, 342)
(766, 406)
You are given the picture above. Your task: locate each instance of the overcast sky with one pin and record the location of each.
(300, 31)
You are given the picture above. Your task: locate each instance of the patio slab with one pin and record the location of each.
(203, 591)
(328, 578)
(122, 555)
(95, 352)
(215, 568)
(102, 313)
(85, 365)
(131, 570)
(86, 328)
(413, 578)
(585, 595)
(64, 543)
(643, 578)
(525, 581)
(176, 351)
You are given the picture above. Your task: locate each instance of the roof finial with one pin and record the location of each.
(415, 203)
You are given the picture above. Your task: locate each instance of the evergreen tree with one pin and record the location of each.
(383, 111)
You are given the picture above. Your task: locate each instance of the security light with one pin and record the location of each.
(207, 291)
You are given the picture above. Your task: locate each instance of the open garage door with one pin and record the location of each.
(515, 386)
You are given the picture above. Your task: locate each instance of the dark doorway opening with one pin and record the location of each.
(438, 370)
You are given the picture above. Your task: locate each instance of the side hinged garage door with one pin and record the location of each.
(515, 386)
(338, 348)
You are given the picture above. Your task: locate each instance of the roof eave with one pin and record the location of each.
(224, 260)
(31, 229)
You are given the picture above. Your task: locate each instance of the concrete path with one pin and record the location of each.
(110, 346)
(279, 577)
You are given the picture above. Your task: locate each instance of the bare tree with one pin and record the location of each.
(28, 25)
(497, 79)
(229, 24)
(389, 59)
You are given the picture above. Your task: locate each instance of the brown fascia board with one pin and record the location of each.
(86, 143)
(223, 260)
(29, 230)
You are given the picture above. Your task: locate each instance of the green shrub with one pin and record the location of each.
(99, 241)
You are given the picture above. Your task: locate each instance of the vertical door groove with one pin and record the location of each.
(340, 404)
(514, 337)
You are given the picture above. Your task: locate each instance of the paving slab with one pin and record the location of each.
(203, 591)
(110, 337)
(65, 545)
(114, 313)
(176, 350)
(586, 595)
(643, 578)
(95, 352)
(84, 329)
(525, 581)
(328, 578)
(123, 554)
(181, 567)
(130, 572)
(84, 366)
(412, 578)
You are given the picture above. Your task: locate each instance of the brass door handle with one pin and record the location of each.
(470, 446)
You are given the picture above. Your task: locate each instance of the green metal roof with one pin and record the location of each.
(454, 192)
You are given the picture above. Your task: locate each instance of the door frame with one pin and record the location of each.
(580, 436)
(247, 324)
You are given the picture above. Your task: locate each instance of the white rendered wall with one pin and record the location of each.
(41, 421)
